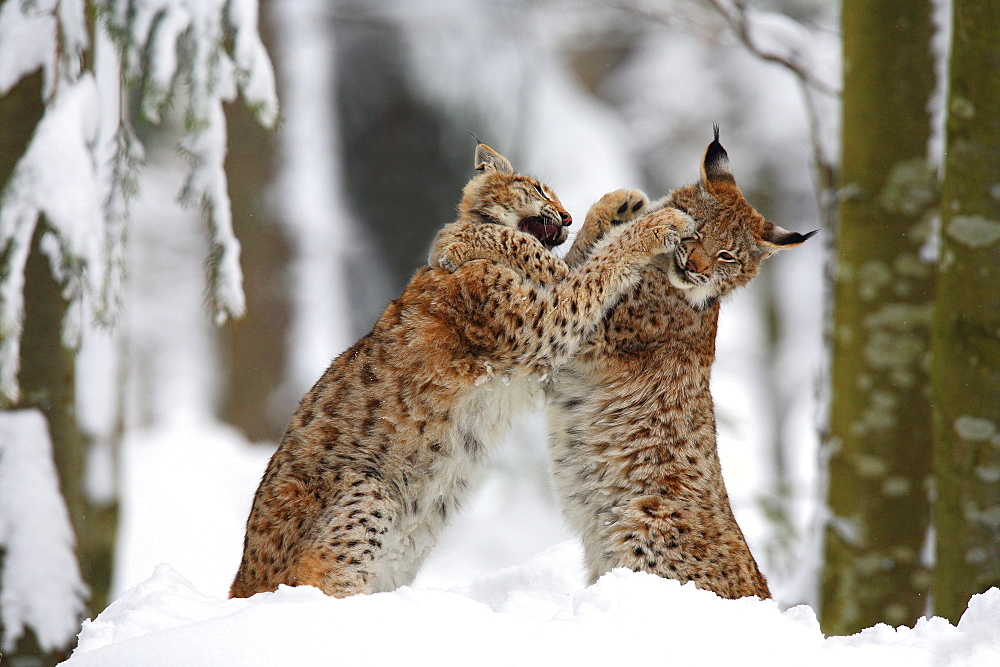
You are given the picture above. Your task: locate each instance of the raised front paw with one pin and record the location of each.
(621, 206)
(447, 256)
(679, 225)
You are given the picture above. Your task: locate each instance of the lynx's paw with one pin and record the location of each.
(667, 226)
(621, 206)
(446, 257)
(608, 213)
(613, 210)
(679, 225)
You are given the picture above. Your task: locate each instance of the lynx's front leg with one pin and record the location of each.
(536, 328)
(579, 302)
(613, 209)
(463, 242)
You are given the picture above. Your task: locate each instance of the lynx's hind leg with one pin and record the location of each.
(347, 555)
(673, 538)
(613, 209)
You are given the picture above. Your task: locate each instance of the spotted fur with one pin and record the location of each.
(631, 418)
(384, 447)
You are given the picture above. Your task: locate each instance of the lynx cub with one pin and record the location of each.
(382, 449)
(631, 419)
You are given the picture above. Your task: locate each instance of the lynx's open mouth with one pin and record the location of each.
(541, 229)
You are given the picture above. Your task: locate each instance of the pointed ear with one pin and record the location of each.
(776, 238)
(487, 158)
(715, 165)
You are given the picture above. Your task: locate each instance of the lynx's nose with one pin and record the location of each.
(697, 261)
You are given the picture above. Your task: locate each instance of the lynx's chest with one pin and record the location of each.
(471, 434)
(655, 326)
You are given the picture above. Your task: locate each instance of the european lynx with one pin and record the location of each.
(631, 418)
(382, 449)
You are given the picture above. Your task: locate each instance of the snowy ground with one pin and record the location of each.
(538, 613)
(197, 479)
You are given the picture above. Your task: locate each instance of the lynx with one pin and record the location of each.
(383, 448)
(631, 418)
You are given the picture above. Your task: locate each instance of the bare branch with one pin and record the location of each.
(748, 27)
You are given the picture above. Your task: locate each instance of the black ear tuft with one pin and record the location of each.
(777, 238)
(715, 166)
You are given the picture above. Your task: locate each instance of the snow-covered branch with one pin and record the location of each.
(74, 181)
(56, 179)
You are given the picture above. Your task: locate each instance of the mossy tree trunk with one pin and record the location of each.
(966, 324)
(879, 441)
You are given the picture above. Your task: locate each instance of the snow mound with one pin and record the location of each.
(532, 614)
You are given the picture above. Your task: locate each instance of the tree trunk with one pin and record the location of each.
(879, 431)
(966, 324)
(254, 348)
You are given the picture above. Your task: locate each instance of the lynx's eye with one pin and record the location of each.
(726, 256)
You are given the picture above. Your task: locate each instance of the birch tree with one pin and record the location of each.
(879, 426)
(966, 324)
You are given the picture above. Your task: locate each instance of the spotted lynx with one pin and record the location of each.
(631, 418)
(384, 447)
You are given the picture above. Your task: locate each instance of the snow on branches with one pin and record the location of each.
(75, 178)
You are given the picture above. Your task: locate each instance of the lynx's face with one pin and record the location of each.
(500, 196)
(732, 238)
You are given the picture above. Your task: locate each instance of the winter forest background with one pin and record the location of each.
(858, 377)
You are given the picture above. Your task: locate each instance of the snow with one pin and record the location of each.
(42, 587)
(254, 73)
(537, 613)
(25, 43)
(185, 40)
(936, 104)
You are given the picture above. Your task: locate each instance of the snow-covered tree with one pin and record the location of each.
(92, 67)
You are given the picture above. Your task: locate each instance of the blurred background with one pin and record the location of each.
(174, 418)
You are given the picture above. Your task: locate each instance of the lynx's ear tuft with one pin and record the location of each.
(776, 238)
(488, 159)
(715, 166)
